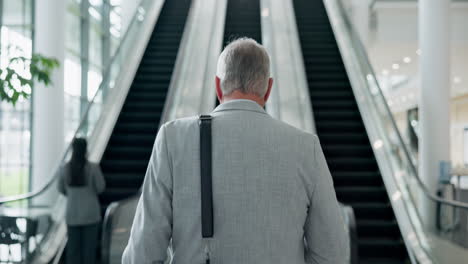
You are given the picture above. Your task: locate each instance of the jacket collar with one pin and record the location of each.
(240, 105)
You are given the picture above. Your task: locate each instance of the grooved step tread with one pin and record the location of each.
(343, 138)
(126, 158)
(376, 228)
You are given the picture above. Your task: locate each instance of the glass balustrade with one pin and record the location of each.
(368, 37)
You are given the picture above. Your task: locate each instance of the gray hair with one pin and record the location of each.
(244, 65)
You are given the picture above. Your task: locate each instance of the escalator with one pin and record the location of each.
(33, 223)
(242, 20)
(127, 154)
(344, 139)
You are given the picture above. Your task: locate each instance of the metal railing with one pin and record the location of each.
(363, 55)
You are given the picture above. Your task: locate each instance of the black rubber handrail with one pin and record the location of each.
(352, 232)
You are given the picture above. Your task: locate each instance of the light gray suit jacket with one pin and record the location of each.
(273, 195)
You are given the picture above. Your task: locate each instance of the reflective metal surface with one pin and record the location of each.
(289, 99)
(192, 89)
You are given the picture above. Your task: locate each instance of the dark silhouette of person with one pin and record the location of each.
(81, 181)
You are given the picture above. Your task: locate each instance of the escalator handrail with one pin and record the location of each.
(350, 221)
(412, 166)
(83, 122)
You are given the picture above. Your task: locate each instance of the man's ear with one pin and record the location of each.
(267, 94)
(219, 92)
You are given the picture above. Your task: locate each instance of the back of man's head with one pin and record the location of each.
(244, 66)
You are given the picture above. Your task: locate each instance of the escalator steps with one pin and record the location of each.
(126, 157)
(242, 20)
(344, 139)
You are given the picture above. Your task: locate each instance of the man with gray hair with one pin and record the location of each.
(273, 199)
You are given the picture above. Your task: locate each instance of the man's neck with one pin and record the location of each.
(236, 95)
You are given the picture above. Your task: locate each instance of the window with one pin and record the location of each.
(93, 32)
(15, 123)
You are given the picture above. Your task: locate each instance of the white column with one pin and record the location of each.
(48, 102)
(434, 42)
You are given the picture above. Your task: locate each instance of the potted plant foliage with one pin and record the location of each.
(19, 73)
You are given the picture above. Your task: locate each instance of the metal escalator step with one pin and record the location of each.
(326, 84)
(137, 128)
(357, 150)
(382, 248)
(124, 165)
(376, 228)
(323, 60)
(127, 139)
(128, 152)
(140, 117)
(361, 193)
(372, 211)
(163, 50)
(341, 137)
(147, 96)
(151, 62)
(357, 178)
(384, 261)
(332, 93)
(352, 163)
(347, 105)
(153, 78)
(149, 87)
(337, 115)
(163, 54)
(322, 52)
(325, 69)
(144, 106)
(242, 20)
(344, 126)
(320, 45)
(328, 76)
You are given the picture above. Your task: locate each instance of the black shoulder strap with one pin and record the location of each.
(206, 176)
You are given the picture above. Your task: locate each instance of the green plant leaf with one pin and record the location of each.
(13, 83)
